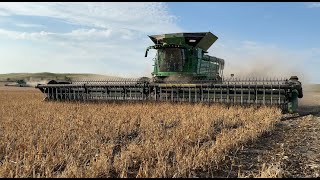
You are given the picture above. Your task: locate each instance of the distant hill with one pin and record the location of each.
(12, 77)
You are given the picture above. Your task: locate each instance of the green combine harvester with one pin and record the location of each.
(183, 72)
(18, 83)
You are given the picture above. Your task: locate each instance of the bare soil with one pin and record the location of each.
(291, 150)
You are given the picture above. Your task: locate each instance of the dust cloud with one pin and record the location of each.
(33, 83)
(273, 65)
(266, 66)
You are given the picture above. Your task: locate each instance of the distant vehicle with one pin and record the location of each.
(18, 83)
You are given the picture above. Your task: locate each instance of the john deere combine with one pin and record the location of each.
(183, 72)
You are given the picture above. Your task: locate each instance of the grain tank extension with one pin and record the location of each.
(183, 72)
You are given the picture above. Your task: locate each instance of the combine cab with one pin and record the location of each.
(183, 56)
(183, 72)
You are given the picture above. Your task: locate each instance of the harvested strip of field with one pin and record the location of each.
(61, 139)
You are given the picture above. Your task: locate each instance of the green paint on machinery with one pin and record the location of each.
(183, 72)
(183, 55)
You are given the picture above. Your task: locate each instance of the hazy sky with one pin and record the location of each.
(255, 39)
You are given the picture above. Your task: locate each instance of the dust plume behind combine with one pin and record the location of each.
(266, 66)
(33, 83)
(273, 66)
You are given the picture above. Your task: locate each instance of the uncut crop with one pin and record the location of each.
(62, 139)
